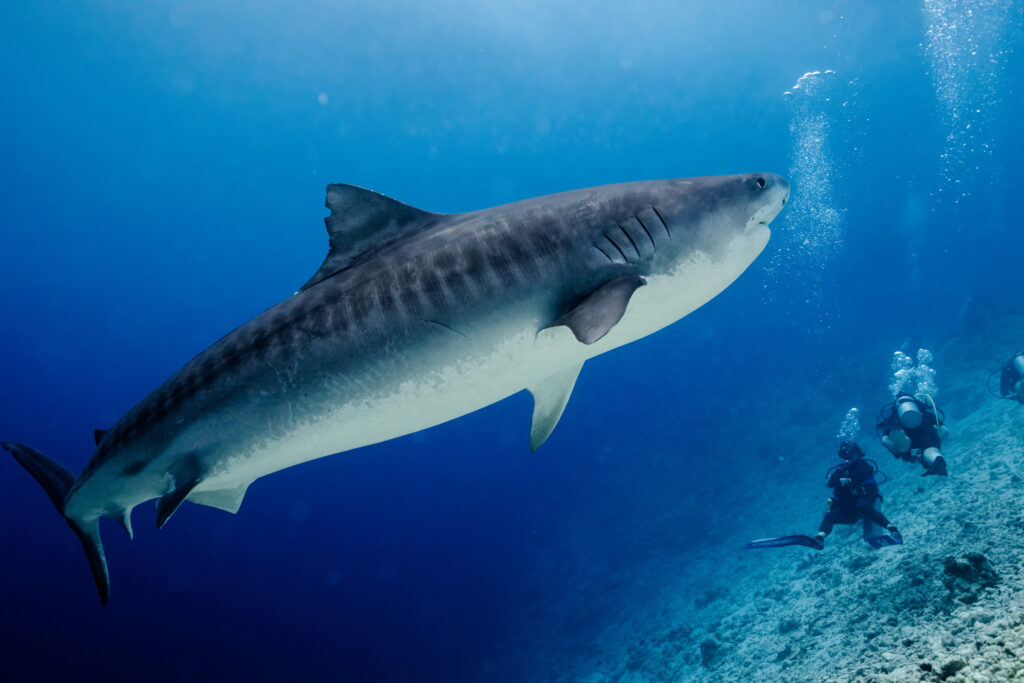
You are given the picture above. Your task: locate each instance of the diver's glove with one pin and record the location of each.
(830, 502)
(845, 481)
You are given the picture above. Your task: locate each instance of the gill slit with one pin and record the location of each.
(647, 232)
(663, 223)
(440, 324)
(623, 255)
(628, 237)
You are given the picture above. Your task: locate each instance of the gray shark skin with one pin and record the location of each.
(414, 319)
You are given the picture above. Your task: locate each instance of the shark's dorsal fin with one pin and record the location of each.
(549, 398)
(363, 221)
(599, 311)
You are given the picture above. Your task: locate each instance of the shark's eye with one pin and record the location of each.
(761, 183)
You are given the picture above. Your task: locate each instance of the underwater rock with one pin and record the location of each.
(935, 609)
(968, 575)
(636, 659)
(709, 596)
(860, 562)
(951, 668)
(710, 650)
(788, 626)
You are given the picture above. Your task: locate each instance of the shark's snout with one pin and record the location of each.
(774, 191)
(783, 188)
(775, 187)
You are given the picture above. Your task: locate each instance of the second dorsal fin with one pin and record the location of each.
(362, 221)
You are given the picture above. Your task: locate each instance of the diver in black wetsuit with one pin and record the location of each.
(854, 494)
(913, 430)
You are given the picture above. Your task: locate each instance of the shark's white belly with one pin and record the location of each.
(475, 377)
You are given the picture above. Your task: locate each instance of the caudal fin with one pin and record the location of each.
(57, 480)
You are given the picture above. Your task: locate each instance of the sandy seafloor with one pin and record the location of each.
(947, 605)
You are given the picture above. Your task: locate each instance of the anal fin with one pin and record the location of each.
(126, 521)
(228, 500)
(550, 396)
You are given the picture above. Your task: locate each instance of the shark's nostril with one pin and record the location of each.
(784, 201)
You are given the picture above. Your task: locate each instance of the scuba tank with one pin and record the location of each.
(1018, 365)
(908, 411)
(1011, 379)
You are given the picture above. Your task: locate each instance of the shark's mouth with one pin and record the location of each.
(766, 214)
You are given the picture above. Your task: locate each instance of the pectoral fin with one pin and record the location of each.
(549, 399)
(186, 476)
(599, 311)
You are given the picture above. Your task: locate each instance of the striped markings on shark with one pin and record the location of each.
(413, 319)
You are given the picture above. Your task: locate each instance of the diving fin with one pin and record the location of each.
(57, 480)
(782, 541)
(938, 468)
(878, 536)
(883, 540)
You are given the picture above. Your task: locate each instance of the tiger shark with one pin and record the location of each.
(414, 319)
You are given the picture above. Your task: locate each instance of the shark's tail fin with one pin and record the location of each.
(57, 480)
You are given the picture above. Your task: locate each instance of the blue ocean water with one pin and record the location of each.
(163, 175)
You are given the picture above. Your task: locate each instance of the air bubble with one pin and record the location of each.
(961, 44)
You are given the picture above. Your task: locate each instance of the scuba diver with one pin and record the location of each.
(855, 498)
(1011, 379)
(913, 430)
